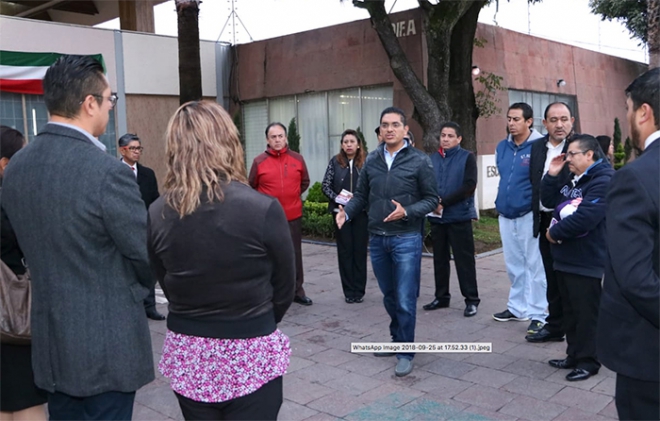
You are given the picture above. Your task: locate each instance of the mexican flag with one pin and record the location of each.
(23, 72)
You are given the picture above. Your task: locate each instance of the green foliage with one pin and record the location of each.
(480, 42)
(632, 13)
(616, 137)
(364, 142)
(293, 136)
(627, 148)
(487, 230)
(619, 156)
(486, 99)
(317, 221)
(315, 194)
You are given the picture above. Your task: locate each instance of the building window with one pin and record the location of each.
(28, 115)
(321, 119)
(538, 101)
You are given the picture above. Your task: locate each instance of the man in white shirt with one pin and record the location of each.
(130, 148)
(628, 339)
(558, 121)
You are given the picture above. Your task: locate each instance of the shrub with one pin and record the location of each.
(293, 136)
(619, 157)
(315, 194)
(317, 221)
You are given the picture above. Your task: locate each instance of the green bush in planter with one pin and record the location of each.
(317, 222)
(315, 194)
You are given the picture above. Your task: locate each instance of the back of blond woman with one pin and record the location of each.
(223, 255)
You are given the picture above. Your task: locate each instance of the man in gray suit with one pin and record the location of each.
(82, 225)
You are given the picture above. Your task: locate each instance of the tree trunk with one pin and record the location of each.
(653, 37)
(190, 70)
(461, 94)
(426, 111)
(449, 28)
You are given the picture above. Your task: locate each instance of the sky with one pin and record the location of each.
(567, 21)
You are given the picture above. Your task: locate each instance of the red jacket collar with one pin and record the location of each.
(273, 152)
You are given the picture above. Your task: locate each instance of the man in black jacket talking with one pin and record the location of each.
(398, 185)
(558, 121)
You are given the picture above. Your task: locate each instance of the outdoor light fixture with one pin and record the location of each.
(476, 70)
(560, 83)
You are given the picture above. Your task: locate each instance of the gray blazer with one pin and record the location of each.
(82, 226)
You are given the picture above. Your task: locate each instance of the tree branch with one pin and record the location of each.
(423, 102)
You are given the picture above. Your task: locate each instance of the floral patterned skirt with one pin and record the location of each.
(218, 370)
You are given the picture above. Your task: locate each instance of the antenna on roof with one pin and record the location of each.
(233, 16)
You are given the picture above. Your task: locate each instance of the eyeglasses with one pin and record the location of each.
(572, 154)
(112, 98)
(135, 148)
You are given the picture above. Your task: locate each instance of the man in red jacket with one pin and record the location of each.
(282, 173)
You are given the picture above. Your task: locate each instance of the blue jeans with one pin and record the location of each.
(396, 262)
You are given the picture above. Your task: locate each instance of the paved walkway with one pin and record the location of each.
(327, 382)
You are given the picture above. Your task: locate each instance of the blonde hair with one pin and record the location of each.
(203, 151)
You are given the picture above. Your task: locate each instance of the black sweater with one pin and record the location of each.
(228, 268)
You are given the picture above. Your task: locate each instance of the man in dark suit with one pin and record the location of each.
(131, 149)
(70, 204)
(629, 320)
(558, 121)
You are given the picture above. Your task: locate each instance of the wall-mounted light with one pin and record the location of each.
(560, 83)
(476, 70)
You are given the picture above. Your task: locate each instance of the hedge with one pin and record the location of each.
(317, 221)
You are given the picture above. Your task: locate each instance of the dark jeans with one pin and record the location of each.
(396, 262)
(263, 404)
(352, 242)
(459, 237)
(580, 296)
(295, 226)
(104, 406)
(555, 311)
(637, 399)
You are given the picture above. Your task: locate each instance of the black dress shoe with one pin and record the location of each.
(544, 335)
(350, 300)
(154, 315)
(565, 363)
(304, 300)
(358, 300)
(434, 305)
(579, 374)
(470, 310)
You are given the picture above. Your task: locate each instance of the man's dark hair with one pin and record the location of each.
(452, 125)
(11, 141)
(410, 137)
(604, 142)
(526, 110)
(277, 123)
(646, 90)
(69, 80)
(126, 139)
(545, 114)
(394, 110)
(587, 142)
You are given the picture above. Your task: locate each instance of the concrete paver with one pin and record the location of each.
(325, 381)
